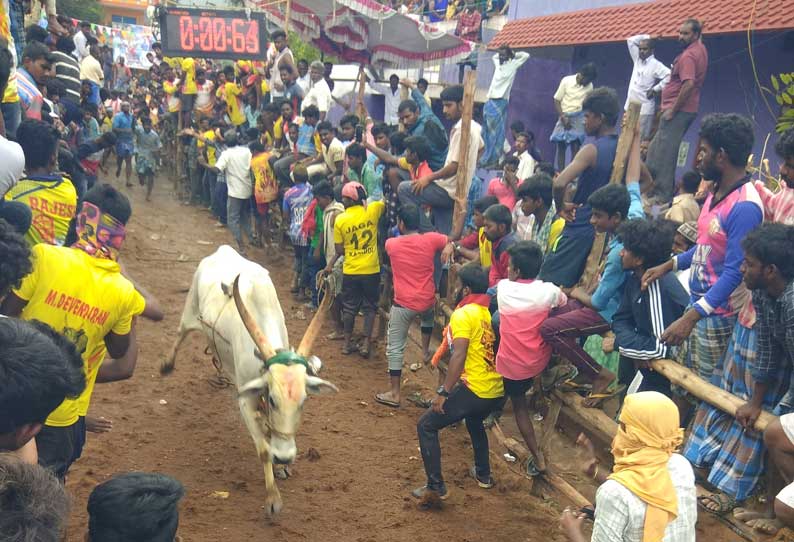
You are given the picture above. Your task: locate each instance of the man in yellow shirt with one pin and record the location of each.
(232, 93)
(50, 195)
(472, 388)
(171, 89)
(356, 238)
(189, 89)
(81, 292)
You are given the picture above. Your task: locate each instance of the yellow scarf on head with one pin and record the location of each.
(649, 434)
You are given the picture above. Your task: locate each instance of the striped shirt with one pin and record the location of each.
(29, 95)
(778, 206)
(67, 70)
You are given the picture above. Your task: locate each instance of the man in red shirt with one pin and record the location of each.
(680, 103)
(498, 226)
(412, 256)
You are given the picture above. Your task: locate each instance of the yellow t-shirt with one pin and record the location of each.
(52, 200)
(10, 95)
(473, 322)
(209, 134)
(357, 230)
(173, 101)
(189, 67)
(234, 107)
(486, 249)
(84, 298)
(278, 128)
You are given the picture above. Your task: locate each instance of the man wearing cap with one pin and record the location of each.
(356, 238)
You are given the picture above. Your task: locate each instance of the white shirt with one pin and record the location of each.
(276, 85)
(319, 95)
(571, 94)
(647, 74)
(81, 46)
(526, 166)
(453, 155)
(305, 83)
(204, 94)
(504, 75)
(91, 69)
(524, 226)
(12, 164)
(236, 163)
(620, 514)
(392, 103)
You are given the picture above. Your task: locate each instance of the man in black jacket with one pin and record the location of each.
(644, 315)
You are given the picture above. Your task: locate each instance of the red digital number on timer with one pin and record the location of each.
(217, 34)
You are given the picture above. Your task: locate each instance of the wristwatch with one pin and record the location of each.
(442, 392)
(456, 246)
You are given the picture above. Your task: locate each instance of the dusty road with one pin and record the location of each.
(356, 487)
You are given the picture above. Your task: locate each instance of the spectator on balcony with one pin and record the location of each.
(506, 65)
(437, 10)
(468, 28)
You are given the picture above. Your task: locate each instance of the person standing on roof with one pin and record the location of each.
(680, 104)
(506, 63)
(648, 78)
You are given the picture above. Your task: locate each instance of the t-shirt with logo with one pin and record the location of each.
(473, 322)
(296, 200)
(83, 298)
(173, 102)
(357, 230)
(52, 200)
(413, 262)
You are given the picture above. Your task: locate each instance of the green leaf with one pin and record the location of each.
(775, 84)
(786, 78)
(787, 99)
(779, 99)
(789, 114)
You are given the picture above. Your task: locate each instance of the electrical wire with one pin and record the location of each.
(752, 60)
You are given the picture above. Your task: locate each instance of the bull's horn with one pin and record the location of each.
(307, 342)
(250, 324)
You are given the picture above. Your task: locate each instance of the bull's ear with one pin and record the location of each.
(318, 386)
(257, 385)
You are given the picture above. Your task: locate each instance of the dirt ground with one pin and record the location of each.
(354, 488)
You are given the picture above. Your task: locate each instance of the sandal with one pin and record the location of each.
(349, 349)
(417, 399)
(725, 504)
(571, 386)
(595, 400)
(531, 468)
(556, 375)
(379, 398)
(335, 336)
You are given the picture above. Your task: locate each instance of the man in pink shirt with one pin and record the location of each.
(779, 205)
(524, 303)
(505, 187)
(412, 256)
(680, 103)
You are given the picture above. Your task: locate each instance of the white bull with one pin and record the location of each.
(225, 288)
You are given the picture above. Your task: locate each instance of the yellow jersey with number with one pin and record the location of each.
(357, 230)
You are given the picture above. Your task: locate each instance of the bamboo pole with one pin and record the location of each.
(625, 141)
(554, 480)
(462, 182)
(287, 15)
(717, 397)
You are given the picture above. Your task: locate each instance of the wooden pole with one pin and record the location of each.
(287, 15)
(361, 110)
(462, 182)
(717, 397)
(630, 120)
(554, 480)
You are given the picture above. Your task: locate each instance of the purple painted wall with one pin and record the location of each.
(729, 87)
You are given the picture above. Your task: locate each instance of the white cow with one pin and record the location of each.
(225, 288)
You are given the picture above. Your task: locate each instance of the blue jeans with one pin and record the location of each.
(12, 116)
(239, 216)
(313, 267)
(219, 206)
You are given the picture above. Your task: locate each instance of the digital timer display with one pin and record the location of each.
(213, 34)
